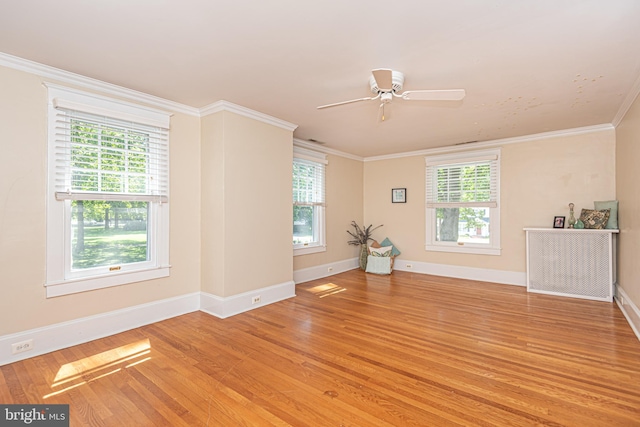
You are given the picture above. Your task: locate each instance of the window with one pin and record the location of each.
(463, 202)
(308, 201)
(107, 202)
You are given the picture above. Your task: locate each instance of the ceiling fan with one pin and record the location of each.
(386, 84)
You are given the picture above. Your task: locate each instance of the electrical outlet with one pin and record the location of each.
(255, 299)
(22, 346)
(330, 269)
(409, 265)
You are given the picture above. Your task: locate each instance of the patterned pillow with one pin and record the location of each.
(595, 219)
(613, 216)
(383, 251)
(378, 265)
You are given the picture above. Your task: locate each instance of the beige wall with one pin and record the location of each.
(212, 199)
(344, 204)
(231, 206)
(538, 180)
(247, 213)
(23, 119)
(628, 193)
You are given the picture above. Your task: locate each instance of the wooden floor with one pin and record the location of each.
(356, 350)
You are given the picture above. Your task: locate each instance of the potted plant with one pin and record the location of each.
(361, 236)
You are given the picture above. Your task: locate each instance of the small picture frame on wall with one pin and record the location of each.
(398, 195)
(558, 222)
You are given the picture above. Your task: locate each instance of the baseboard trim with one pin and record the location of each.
(324, 270)
(223, 307)
(78, 331)
(459, 272)
(629, 310)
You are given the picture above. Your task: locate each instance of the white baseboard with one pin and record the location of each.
(67, 334)
(223, 307)
(471, 273)
(78, 331)
(325, 270)
(629, 309)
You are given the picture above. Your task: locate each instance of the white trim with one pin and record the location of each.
(461, 272)
(224, 307)
(627, 103)
(66, 334)
(310, 249)
(493, 156)
(629, 309)
(78, 331)
(246, 112)
(465, 248)
(312, 156)
(71, 286)
(57, 74)
(574, 230)
(72, 99)
(59, 279)
(496, 142)
(324, 270)
(310, 145)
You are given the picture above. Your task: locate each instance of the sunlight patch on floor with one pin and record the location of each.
(325, 290)
(92, 368)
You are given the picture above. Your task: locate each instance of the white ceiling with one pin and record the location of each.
(528, 66)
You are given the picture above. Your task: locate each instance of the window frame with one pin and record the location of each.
(319, 217)
(431, 244)
(60, 278)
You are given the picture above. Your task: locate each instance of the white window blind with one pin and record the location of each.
(308, 182)
(99, 157)
(468, 183)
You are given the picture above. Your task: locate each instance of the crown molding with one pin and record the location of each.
(78, 80)
(59, 75)
(495, 142)
(246, 112)
(627, 103)
(315, 147)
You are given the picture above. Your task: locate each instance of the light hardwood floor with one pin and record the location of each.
(356, 350)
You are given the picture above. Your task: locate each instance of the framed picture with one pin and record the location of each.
(558, 222)
(398, 195)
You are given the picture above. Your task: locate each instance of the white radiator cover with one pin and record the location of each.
(570, 262)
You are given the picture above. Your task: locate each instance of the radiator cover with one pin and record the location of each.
(569, 262)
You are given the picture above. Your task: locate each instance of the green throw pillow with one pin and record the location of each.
(394, 250)
(378, 265)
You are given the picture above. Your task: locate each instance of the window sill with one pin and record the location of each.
(309, 250)
(67, 287)
(463, 249)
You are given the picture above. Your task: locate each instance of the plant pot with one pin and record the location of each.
(364, 253)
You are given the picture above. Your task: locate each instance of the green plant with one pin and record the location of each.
(361, 235)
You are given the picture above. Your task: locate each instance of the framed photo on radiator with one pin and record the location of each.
(558, 222)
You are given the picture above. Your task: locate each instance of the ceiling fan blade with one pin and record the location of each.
(384, 79)
(344, 102)
(434, 95)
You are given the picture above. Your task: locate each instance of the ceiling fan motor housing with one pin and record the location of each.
(397, 80)
(386, 97)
